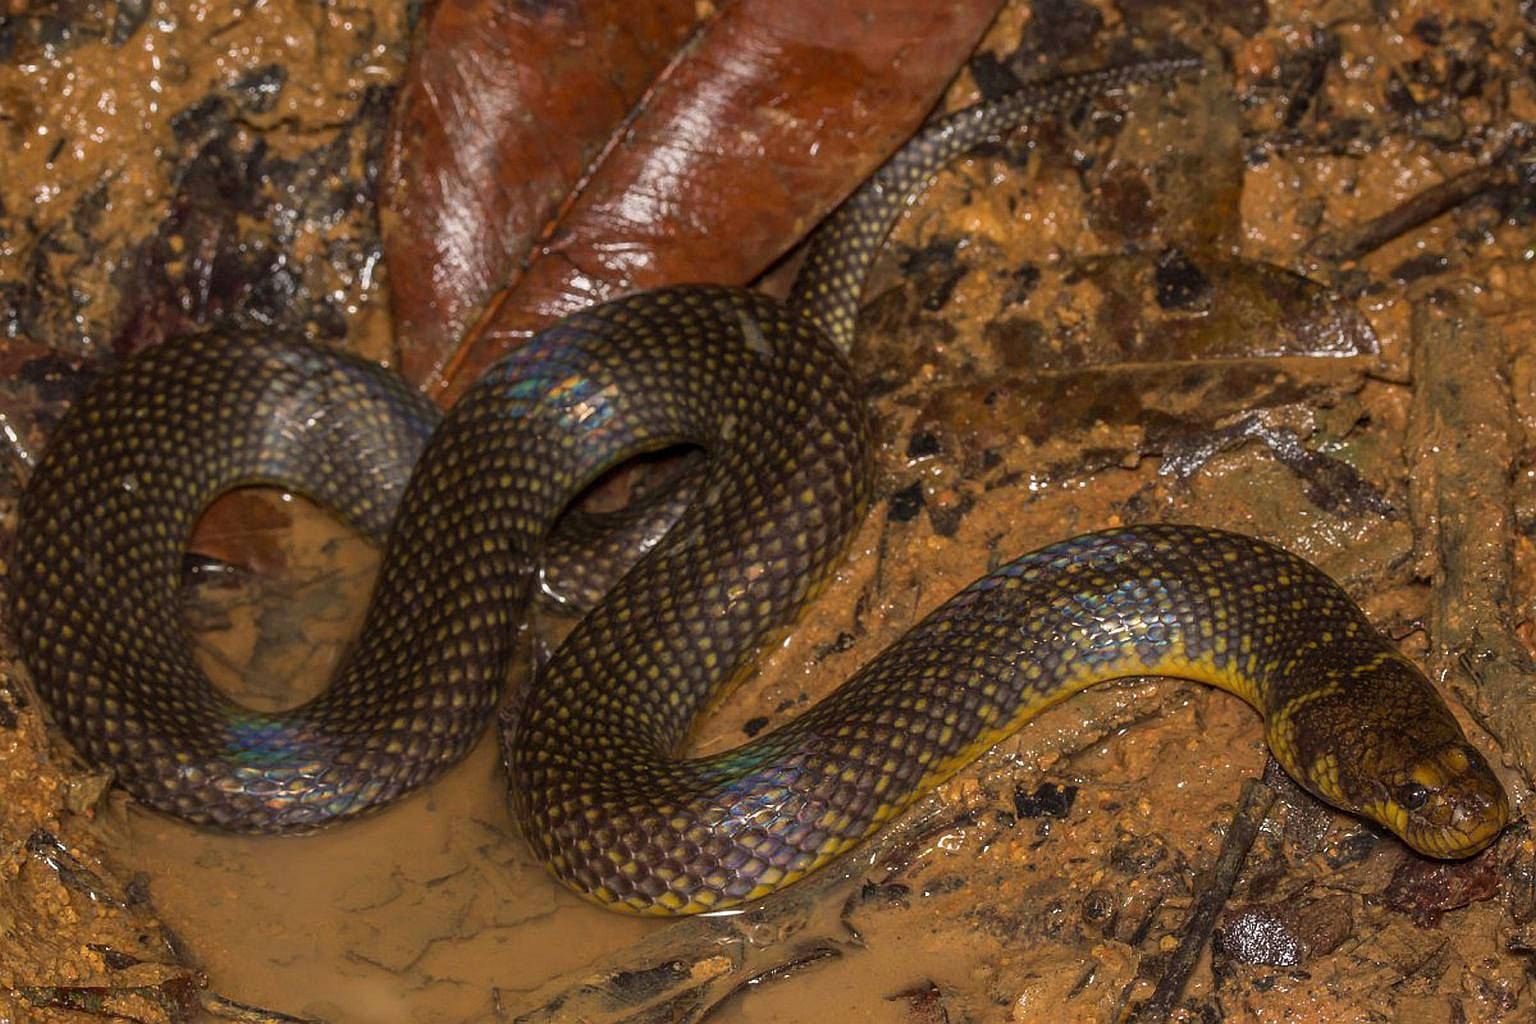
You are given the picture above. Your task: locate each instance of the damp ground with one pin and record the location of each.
(1176, 308)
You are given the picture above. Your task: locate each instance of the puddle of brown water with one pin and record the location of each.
(876, 987)
(422, 913)
(433, 910)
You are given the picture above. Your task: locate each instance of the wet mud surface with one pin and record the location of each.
(1291, 299)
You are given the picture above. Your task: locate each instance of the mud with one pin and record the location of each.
(1141, 314)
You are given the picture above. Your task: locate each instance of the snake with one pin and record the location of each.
(465, 505)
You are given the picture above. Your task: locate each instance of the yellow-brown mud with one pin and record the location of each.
(1047, 361)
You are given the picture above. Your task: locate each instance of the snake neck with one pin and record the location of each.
(830, 284)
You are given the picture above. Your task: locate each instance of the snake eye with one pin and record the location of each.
(1411, 796)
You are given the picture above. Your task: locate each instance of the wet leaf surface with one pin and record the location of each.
(503, 111)
(772, 113)
(1287, 934)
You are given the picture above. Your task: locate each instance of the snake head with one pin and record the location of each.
(1388, 749)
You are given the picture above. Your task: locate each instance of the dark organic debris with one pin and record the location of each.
(56, 378)
(935, 272)
(57, 28)
(1047, 801)
(1023, 281)
(177, 997)
(1425, 264)
(1351, 849)
(1179, 282)
(1061, 27)
(887, 894)
(1416, 211)
(223, 1008)
(945, 517)
(115, 959)
(992, 77)
(1284, 934)
(922, 445)
(12, 700)
(844, 641)
(924, 1003)
(1426, 889)
(638, 985)
(1331, 484)
(1302, 74)
(225, 255)
(906, 503)
(1137, 855)
(72, 872)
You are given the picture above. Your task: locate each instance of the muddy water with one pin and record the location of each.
(431, 911)
(421, 914)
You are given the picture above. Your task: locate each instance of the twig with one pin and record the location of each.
(1354, 242)
(1258, 796)
(227, 1009)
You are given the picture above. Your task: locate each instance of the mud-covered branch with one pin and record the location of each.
(1462, 443)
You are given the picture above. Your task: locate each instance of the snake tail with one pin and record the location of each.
(830, 284)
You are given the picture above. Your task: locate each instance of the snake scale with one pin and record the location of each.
(595, 779)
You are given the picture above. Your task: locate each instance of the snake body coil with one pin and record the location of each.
(595, 781)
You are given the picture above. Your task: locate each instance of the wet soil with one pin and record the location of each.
(1226, 305)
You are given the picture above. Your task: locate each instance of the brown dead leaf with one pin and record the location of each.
(760, 124)
(503, 108)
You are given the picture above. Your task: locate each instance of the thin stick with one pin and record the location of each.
(1257, 798)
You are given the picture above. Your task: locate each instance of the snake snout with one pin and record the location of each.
(1449, 803)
